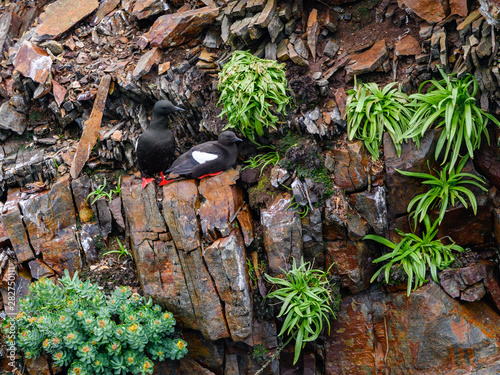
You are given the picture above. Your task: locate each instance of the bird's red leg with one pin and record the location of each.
(163, 181)
(209, 175)
(146, 181)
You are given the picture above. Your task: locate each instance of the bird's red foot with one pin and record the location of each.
(146, 181)
(209, 175)
(163, 181)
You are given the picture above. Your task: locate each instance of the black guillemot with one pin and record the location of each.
(156, 146)
(207, 159)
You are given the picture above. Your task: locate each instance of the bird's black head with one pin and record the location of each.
(227, 138)
(164, 107)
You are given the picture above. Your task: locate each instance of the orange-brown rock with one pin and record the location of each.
(161, 277)
(351, 165)
(282, 234)
(246, 224)
(147, 8)
(49, 219)
(430, 10)
(203, 293)
(408, 46)
(221, 202)
(427, 333)
(226, 262)
(60, 16)
(13, 223)
(369, 60)
(313, 32)
(146, 62)
(180, 203)
(33, 62)
(141, 208)
(174, 29)
(459, 7)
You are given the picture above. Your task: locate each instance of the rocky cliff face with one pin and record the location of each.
(193, 242)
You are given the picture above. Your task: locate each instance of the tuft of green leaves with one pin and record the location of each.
(305, 293)
(263, 160)
(253, 91)
(122, 252)
(371, 111)
(414, 254)
(446, 190)
(90, 333)
(101, 193)
(450, 104)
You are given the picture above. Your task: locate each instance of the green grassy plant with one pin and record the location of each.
(253, 91)
(450, 104)
(122, 252)
(101, 193)
(86, 332)
(306, 301)
(371, 111)
(263, 160)
(446, 190)
(414, 254)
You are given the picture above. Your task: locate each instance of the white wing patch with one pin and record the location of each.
(203, 157)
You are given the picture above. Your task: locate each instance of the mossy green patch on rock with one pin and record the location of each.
(261, 194)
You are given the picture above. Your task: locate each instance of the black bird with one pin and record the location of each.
(207, 159)
(156, 146)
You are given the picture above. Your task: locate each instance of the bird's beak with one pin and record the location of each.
(238, 139)
(178, 109)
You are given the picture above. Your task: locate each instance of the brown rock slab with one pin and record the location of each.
(430, 10)
(105, 7)
(295, 57)
(60, 16)
(209, 354)
(141, 208)
(351, 165)
(13, 223)
(146, 62)
(39, 269)
(49, 219)
(408, 46)
(267, 14)
(21, 290)
(474, 15)
(180, 204)
(341, 100)
(226, 262)
(369, 60)
(282, 234)
(147, 8)
(91, 130)
(352, 262)
(222, 201)
(458, 7)
(33, 62)
(313, 32)
(161, 277)
(59, 92)
(174, 29)
(427, 333)
(245, 221)
(203, 294)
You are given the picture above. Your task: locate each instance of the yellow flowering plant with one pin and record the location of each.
(87, 332)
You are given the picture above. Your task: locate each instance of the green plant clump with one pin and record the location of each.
(261, 161)
(371, 111)
(450, 105)
(414, 254)
(445, 191)
(305, 293)
(100, 193)
(89, 333)
(251, 90)
(122, 252)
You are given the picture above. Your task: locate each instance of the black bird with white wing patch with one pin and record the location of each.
(209, 158)
(156, 146)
